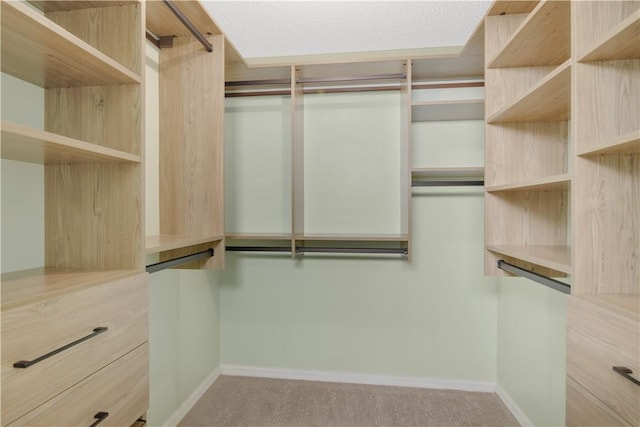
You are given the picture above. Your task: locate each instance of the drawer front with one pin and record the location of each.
(585, 410)
(597, 340)
(33, 330)
(120, 390)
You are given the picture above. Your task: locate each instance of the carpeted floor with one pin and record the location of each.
(241, 401)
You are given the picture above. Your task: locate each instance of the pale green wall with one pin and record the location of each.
(532, 348)
(22, 183)
(184, 331)
(434, 317)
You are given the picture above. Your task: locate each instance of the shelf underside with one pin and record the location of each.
(38, 51)
(26, 144)
(542, 39)
(549, 100)
(621, 42)
(555, 257)
(31, 285)
(168, 242)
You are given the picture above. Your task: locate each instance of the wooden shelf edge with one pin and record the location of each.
(168, 242)
(545, 256)
(23, 143)
(48, 6)
(447, 103)
(627, 304)
(466, 172)
(624, 144)
(513, 7)
(258, 236)
(26, 286)
(73, 44)
(621, 42)
(556, 183)
(537, 15)
(533, 95)
(353, 237)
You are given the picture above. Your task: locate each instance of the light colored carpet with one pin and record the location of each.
(241, 401)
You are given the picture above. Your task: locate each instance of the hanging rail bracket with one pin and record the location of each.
(189, 25)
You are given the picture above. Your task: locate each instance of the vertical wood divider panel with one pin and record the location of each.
(191, 84)
(297, 160)
(405, 156)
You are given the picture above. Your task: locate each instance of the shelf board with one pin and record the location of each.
(26, 286)
(548, 100)
(430, 111)
(43, 53)
(258, 236)
(624, 144)
(544, 38)
(551, 183)
(26, 144)
(621, 304)
(447, 173)
(621, 42)
(168, 242)
(555, 257)
(66, 5)
(512, 7)
(353, 237)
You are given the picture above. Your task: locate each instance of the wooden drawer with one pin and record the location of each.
(120, 390)
(585, 410)
(603, 332)
(37, 328)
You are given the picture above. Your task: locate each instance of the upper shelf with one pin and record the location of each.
(548, 100)
(621, 42)
(41, 52)
(551, 183)
(429, 111)
(66, 5)
(26, 144)
(544, 38)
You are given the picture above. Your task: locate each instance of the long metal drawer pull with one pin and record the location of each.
(100, 417)
(626, 372)
(27, 363)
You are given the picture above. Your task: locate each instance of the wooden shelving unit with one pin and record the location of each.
(353, 237)
(528, 181)
(191, 137)
(542, 39)
(621, 42)
(628, 143)
(89, 58)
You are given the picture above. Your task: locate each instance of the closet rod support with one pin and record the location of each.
(189, 26)
(163, 265)
(444, 183)
(543, 280)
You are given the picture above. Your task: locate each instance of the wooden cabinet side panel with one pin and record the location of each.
(92, 216)
(585, 410)
(191, 138)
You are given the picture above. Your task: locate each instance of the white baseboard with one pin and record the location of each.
(343, 377)
(186, 406)
(513, 407)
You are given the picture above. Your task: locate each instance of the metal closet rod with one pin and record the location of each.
(163, 265)
(188, 25)
(543, 280)
(447, 183)
(300, 250)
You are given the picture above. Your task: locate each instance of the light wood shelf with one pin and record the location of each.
(554, 257)
(353, 237)
(429, 111)
(513, 7)
(258, 236)
(26, 144)
(552, 183)
(549, 100)
(627, 305)
(621, 42)
(542, 39)
(43, 53)
(624, 144)
(66, 5)
(36, 284)
(452, 172)
(168, 242)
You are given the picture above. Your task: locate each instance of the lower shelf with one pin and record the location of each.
(26, 286)
(554, 257)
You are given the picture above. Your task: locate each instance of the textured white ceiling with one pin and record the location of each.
(285, 28)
